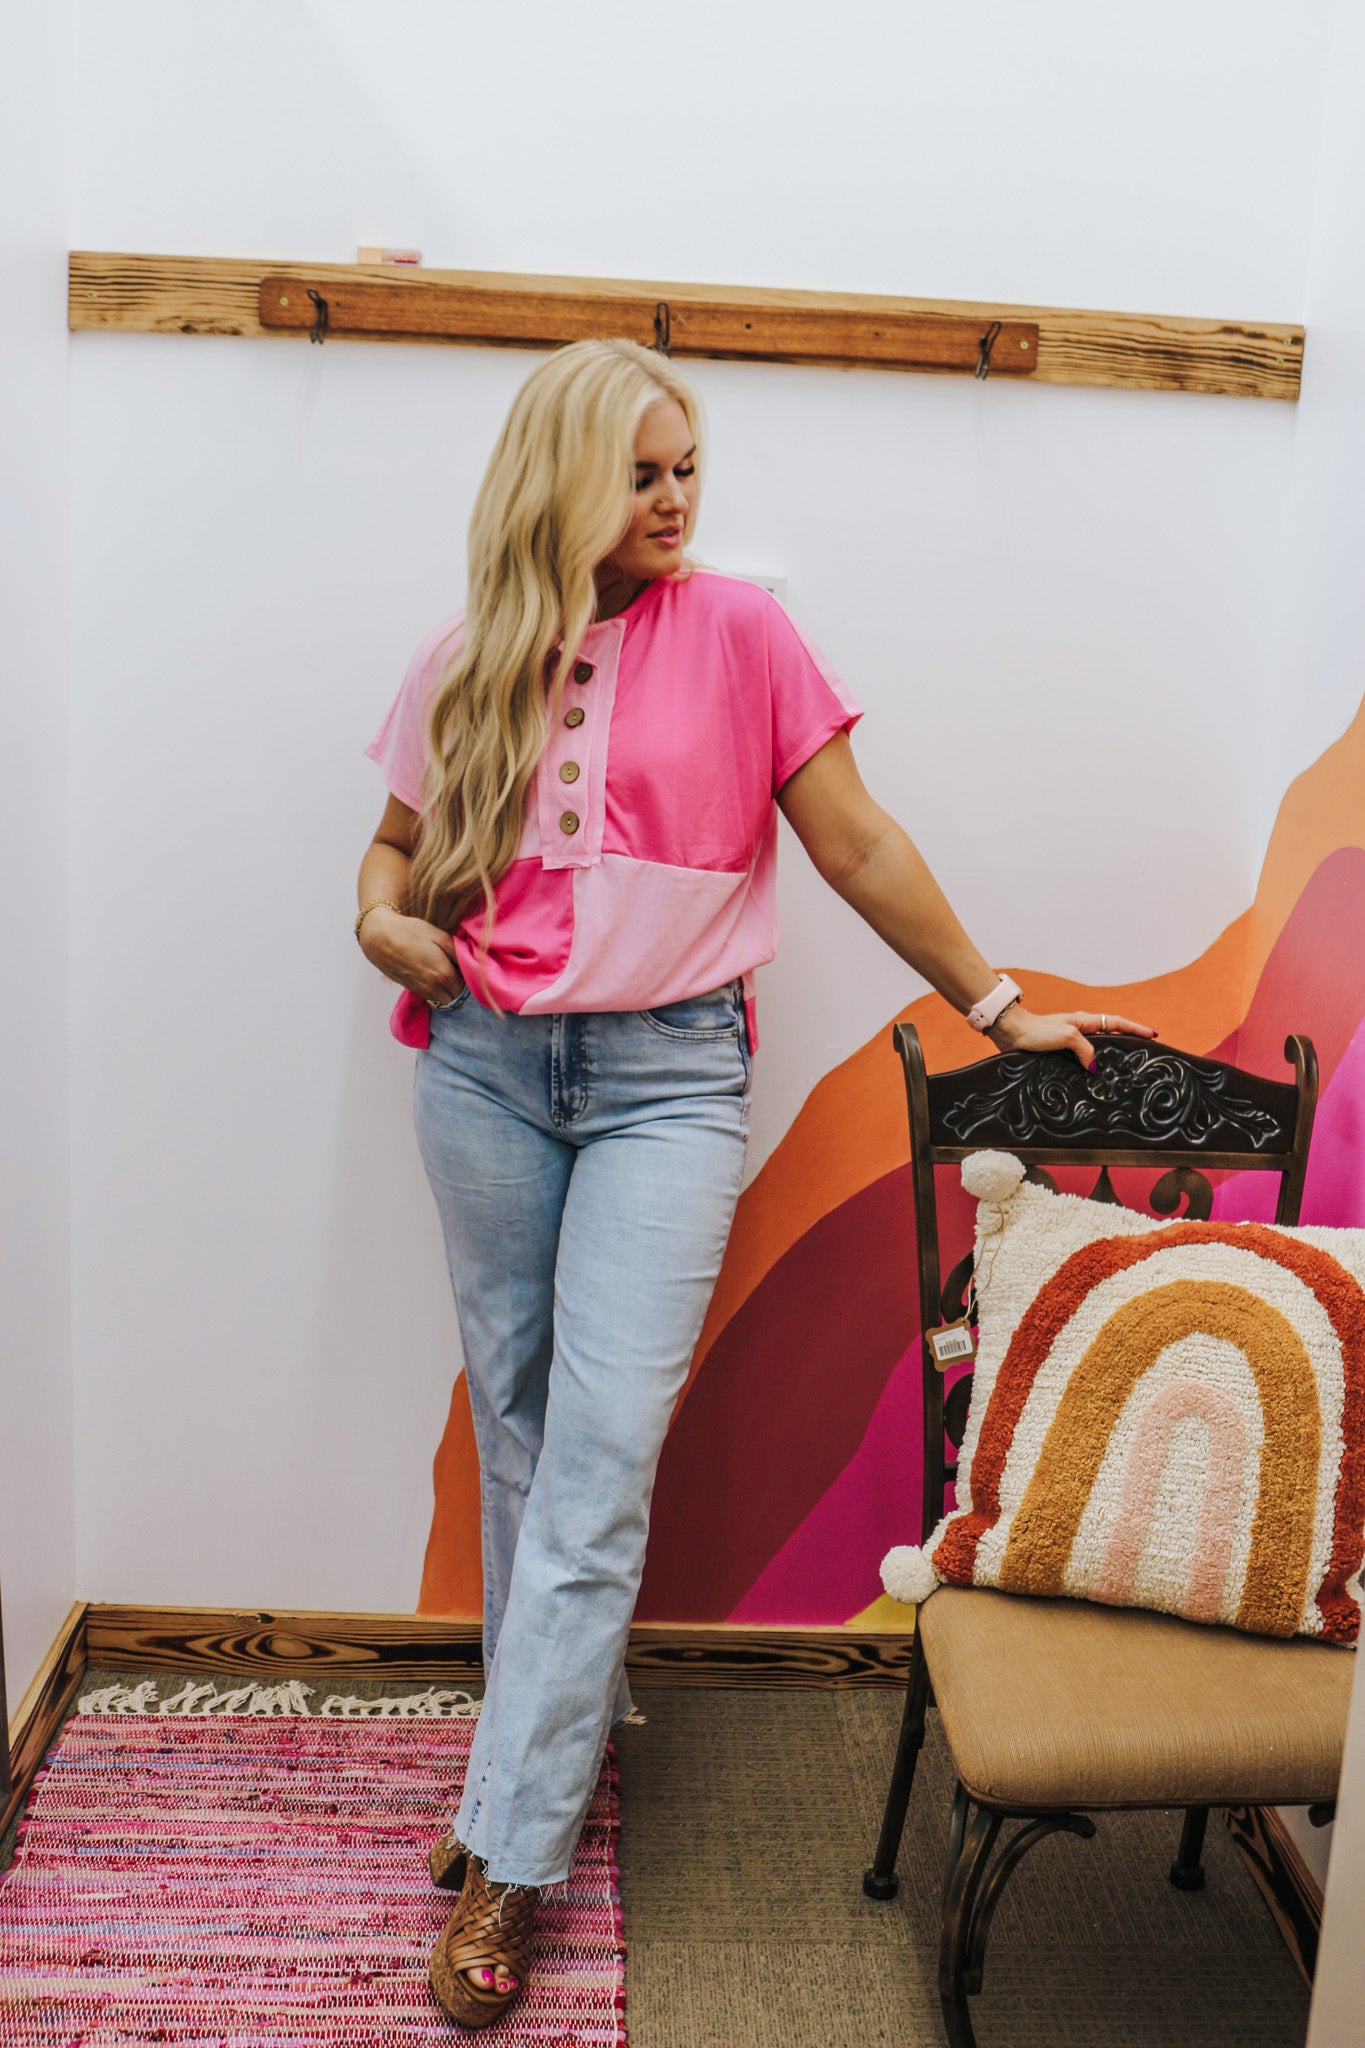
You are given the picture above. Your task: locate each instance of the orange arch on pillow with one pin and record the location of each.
(1126, 1346)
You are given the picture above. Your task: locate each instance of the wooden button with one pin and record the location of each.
(582, 671)
(569, 772)
(568, 821)
(576, 716)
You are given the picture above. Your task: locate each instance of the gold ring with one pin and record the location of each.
(1104, 1021)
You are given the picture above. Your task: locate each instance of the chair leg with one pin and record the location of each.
(880, 1880)
(1187, 1872)
(973, 1838)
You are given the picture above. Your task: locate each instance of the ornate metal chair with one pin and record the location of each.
(1056, 1709)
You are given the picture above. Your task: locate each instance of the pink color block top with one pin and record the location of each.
(647, 868)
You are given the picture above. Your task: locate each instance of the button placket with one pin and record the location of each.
(575, 756)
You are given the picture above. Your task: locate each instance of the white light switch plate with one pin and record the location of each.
(774, 585)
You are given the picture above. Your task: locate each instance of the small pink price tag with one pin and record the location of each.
(951, 1343)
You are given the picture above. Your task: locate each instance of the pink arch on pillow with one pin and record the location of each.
(1141, 1478)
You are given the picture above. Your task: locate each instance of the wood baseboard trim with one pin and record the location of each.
(34, 1724)
(1283, 1879)
(295, 1644)
(664, 1654)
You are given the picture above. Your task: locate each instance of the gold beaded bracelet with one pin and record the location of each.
(379, 903)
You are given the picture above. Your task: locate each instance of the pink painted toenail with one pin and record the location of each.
(487, 1976)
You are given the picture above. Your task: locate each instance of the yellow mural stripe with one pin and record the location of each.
(885, 1616)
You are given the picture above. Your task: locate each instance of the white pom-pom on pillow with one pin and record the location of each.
(992, 1176)
(908, 1575)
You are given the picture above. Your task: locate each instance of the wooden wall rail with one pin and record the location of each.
(141, 294)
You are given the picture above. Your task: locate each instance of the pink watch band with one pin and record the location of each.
(991, 1006)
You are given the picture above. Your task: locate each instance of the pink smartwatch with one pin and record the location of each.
(993, 1006)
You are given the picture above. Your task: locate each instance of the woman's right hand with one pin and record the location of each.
(412, 952)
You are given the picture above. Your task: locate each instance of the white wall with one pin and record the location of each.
(1038, 594)
(37, 1571)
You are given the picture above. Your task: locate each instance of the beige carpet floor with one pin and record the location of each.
(746, 1821)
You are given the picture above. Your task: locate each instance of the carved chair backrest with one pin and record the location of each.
(1146, 1105)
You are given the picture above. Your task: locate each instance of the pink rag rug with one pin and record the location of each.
(242, 1882)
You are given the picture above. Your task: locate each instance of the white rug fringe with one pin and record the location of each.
(292, 1697)
(419, 1706)
(118, 1699)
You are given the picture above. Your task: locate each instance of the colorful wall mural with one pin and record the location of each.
(794, 1461)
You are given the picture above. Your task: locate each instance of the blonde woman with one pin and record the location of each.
(573, 881)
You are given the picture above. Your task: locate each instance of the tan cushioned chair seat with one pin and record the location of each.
(1057, 1703)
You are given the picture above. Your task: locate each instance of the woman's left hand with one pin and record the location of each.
(1020, 1031)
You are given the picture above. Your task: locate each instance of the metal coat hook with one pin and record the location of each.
(319, 328)
(988, 341)
(662, 325)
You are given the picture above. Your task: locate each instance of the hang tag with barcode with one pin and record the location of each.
(951, 1343)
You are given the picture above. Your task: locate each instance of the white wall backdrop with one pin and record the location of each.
(1063, 609)
(37, 1569)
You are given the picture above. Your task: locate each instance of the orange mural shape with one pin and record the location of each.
(452, 1575)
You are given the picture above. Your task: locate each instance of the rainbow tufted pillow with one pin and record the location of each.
(1164, 1415)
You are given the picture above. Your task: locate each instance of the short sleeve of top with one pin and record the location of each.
(809, 702)
(399, 746)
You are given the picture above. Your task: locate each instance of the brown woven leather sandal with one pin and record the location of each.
(447, 1860)
(491, 1924)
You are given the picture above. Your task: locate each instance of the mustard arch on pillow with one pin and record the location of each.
(1044, 1528)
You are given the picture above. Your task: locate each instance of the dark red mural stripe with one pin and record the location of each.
(781, 1404)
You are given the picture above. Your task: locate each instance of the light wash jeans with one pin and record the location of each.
(586, 1169)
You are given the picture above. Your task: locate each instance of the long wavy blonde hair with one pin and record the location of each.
(555, 500)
